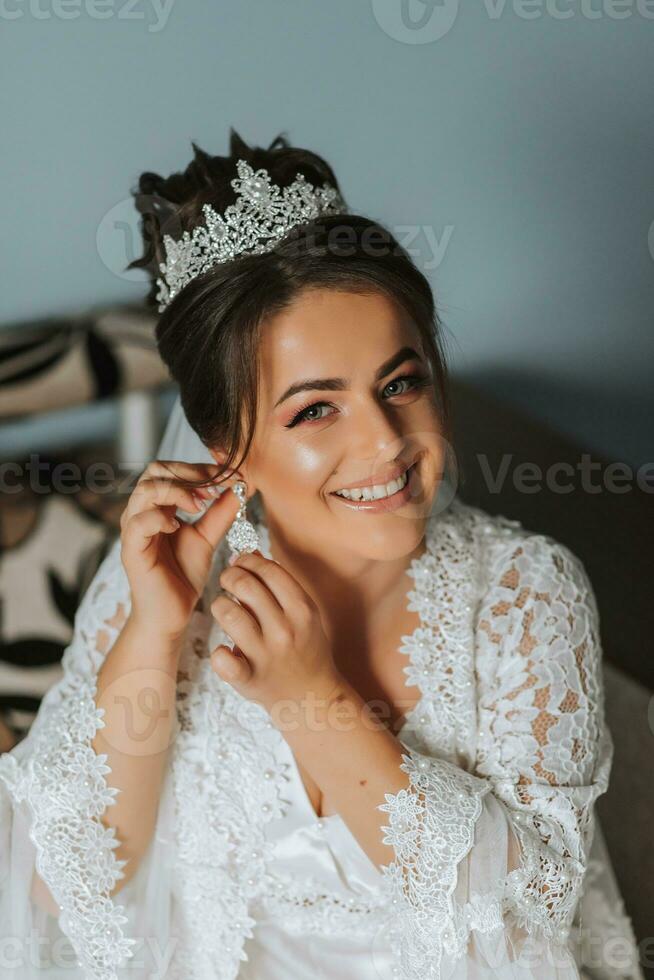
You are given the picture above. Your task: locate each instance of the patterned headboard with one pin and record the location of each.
(52, 540)
(51, 545)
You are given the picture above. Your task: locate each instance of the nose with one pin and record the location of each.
(377, 433)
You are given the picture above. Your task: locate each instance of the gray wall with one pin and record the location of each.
(521, 139)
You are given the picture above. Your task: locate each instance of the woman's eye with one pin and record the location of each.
(414, 380)
(397, 381)
(305, 414)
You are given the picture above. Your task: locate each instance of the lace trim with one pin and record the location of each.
(64, 784)
(448, 582)
(441, 665)
(439, 649)
(483, 913)
(431, 830)
(305, 907)
(227, 785)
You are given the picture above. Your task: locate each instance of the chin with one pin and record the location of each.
(390, 539)
(393, 533)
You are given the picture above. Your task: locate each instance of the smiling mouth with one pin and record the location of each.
(406, 476)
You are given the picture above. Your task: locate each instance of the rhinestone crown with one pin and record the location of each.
(262, 215)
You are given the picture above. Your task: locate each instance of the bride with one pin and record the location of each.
(319, 717)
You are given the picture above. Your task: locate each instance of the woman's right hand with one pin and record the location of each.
(168, 561)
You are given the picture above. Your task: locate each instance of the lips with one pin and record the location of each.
(385, 504)
(394, 473)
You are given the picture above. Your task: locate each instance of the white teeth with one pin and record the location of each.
(375, 492)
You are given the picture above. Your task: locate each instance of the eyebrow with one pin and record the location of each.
(341, 384)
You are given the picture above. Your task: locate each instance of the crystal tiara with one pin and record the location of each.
(262, 215)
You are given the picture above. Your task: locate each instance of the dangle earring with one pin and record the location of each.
(242, 535)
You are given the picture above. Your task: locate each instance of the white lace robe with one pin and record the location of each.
(500, 868)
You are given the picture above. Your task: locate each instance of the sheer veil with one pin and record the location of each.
(180, 441)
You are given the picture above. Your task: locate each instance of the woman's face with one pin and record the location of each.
(347, 400)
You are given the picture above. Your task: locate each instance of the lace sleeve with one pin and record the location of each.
(489, 863)
(57, 862)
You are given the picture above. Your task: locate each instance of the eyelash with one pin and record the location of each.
(418, 380)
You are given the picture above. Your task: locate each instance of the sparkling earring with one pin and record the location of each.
(242, 535)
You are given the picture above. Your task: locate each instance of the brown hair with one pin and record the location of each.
(208, 336)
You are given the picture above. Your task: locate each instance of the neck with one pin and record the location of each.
(358, 597)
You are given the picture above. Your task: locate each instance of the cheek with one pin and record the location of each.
(429, 433)
(438, 449)
(433, 427)
(295, 469)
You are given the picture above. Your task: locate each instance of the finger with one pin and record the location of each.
(255, 595)
(231, 666)
(237, 622)
(215, 522)
(142, 528)
(157, 492)
(195, 472)
(235, 557)
(287, 590)
(183, 471)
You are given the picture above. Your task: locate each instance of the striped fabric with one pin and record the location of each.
(56, 548)
(62, 361)
(52, 543)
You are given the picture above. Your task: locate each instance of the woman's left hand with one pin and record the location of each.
(281, 651)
